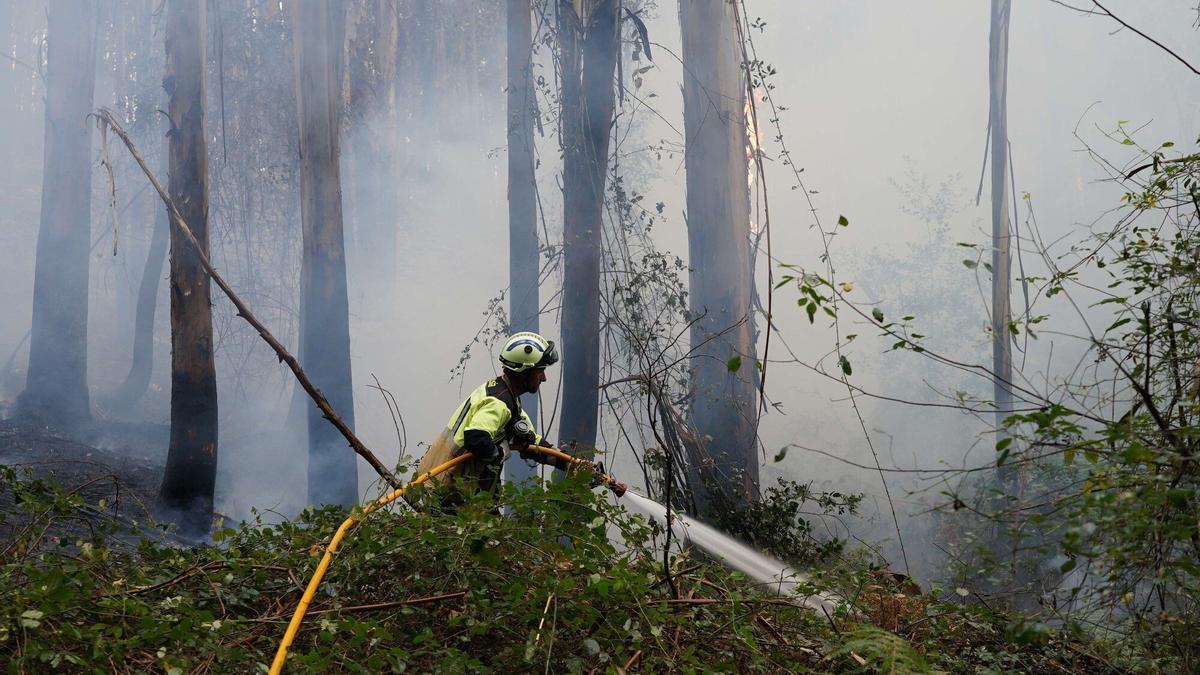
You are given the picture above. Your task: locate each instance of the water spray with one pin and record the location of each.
(774, 575)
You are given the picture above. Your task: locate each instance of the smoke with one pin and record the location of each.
(868, 95)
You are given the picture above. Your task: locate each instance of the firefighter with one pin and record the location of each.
(492, 417)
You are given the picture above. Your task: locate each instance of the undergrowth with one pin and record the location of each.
(542, 588)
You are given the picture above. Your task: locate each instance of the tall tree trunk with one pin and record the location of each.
(141, 367)
(56, 382)
(588, 51)
(318, 33)
(191, 472)
(718, 220)
(1001, 240)
(523, 258)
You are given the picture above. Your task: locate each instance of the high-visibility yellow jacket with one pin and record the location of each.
(487, 416)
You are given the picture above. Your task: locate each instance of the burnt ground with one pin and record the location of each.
(115, 467)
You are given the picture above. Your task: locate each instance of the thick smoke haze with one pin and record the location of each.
(882, 105)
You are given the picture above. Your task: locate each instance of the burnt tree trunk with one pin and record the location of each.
(142, 366)
(56, 381)
(318, 34)
(718, 221)
(523, 258)
(588, 51)
(190, 476)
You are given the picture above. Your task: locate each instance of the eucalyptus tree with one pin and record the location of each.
(523, 256)
(190, 477)
(718, 221)
(1002, 372)
(318, 49)
(56, 381)
(588, 40)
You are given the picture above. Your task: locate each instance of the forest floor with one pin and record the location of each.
(86, 578)
(118, 465)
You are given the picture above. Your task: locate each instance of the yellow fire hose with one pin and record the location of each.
(305, 600)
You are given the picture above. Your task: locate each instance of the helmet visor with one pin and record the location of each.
(549, 357)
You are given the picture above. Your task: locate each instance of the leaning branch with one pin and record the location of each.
(105, 117)
(1158, 44)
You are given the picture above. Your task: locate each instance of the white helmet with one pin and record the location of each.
(525, 351)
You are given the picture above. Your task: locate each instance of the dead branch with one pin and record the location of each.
(1156, 43)
(373, 606)
(105, 116)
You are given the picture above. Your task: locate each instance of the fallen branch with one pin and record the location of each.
(105, 116)
(374, 606)
(717, 601)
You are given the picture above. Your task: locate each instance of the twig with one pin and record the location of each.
(387, 400)
(545, 610)
(106, 162)
(770, 629)
(191, 571)
(243, 311)
(392, 605)
(371, 607)
(1160, 45)
(718, 601)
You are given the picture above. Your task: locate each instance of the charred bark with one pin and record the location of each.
(142, 365)
(190, 477)
(318, 34)
(523, 256)
(588, 49)
(718, 220)
(56, 381)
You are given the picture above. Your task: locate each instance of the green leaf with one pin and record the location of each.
(845, 364)
(781, 454)
(842, 221)
(811, 308)
(734, 363)
(878, 314)
(1179, 497)
(1003, 456)
(970, 264)
(1117, 324)
(31, 618)
(1067, 566)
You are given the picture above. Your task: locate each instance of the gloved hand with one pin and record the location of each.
(480, 444)
(488, 454)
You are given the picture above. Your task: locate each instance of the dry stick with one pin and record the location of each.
(392, 605)
(371, 607)
(105, 115)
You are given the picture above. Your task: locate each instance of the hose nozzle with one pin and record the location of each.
(618, 488)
